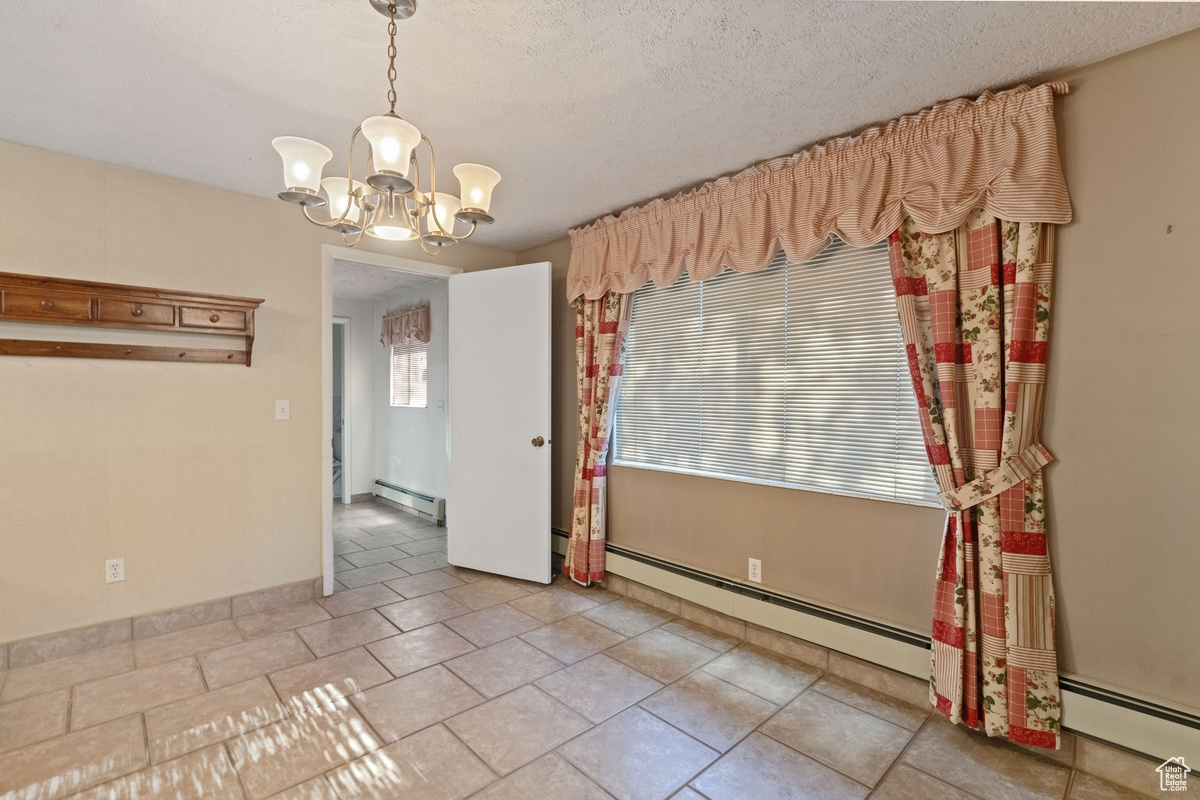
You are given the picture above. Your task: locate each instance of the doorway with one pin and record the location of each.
(398, 444)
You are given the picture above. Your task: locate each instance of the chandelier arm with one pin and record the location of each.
(466, 235)
(433, 190)
(333, 223)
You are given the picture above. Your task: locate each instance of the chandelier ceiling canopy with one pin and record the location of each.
(390, 204)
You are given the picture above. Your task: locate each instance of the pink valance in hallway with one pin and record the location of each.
(998, 153)
(405, 327)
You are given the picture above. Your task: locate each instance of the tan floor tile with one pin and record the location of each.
(706, 617)
(430, 765)
(906, 688)
(206, 775)
(376, 573)
(422, 547)
(598, 687)
(686, 794)
(467, 575)
(628, 617)
(240, 662)
(315, 789)
(366, 558)
(33, 719)
(421, 611)
(906, 783)
(788, 646)
(280, 619)
(424, 583)
(64, 672)
(637, 756)
(513, 730)
(197, 722)
(55, 768)
(853, 742)
(987, 767)
(341, 565)
(1089, 787)
(406, 705)
(426, 563)
(573, 639)
(548, 778)
(300, 747)
(764, 769)
(343, 633)
(344, 547)
(482, 594)
(340, 675)
(706, 707)
(553, 604)
(352, 601)
(709, 637)
(503, 667)
(189, 642)
(1121, 768)
(767, 674)
(873, 702)
(376, 541)
(418, 649)
(119, 695)
(492, 625)
(661, 655)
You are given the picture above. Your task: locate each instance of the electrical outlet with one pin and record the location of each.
(756, 570)
(283, 409)
(114, 570)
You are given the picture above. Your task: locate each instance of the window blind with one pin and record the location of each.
(795, 375)
(409, 374)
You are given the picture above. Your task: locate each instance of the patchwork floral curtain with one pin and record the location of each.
(975, 313)
(600, 329)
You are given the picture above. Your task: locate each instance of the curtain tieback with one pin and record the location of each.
(1011, 472)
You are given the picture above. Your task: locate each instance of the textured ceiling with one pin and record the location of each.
(584, 106)
(362, 282)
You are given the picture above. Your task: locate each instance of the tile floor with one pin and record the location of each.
(420, 680)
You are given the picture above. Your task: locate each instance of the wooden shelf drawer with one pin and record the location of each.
(133, 312)
(219, 318)
(47, 305)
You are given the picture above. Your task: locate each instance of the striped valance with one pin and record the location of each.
(406, 326)
(998, 152)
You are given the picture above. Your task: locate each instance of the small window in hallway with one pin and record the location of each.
(409, 375)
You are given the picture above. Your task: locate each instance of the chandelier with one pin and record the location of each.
(390, 204)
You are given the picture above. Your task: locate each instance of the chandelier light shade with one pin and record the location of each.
(390, 202)
(341, 192)
(438, 220)
(303, 160)
(476, 182)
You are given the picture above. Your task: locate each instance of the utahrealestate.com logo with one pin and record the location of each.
(1173, 775)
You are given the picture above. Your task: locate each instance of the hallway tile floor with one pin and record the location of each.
(422, 681)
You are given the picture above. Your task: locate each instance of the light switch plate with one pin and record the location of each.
(283, 409)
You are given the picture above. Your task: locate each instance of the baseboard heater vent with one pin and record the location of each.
(434, 507)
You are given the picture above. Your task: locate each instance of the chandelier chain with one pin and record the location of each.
(392, 56)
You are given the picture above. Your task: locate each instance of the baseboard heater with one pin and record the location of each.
(1135, 724)
(435, 507)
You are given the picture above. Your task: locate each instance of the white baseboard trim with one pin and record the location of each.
(1142, 726)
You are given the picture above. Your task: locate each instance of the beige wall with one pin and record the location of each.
(178, 468)
(1122, 399)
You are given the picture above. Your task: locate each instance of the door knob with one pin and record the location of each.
(538, 441)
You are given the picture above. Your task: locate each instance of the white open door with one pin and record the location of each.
(498, 509)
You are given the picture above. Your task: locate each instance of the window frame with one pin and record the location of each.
(410, 350)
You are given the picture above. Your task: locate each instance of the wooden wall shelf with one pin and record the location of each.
(60, 301)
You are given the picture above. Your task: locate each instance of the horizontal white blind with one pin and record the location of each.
(795, 375)
(409, 374)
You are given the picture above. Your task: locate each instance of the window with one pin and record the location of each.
(792, 376)
(408, 374)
